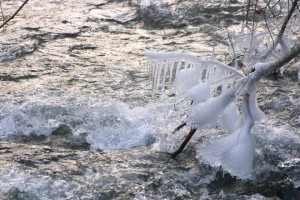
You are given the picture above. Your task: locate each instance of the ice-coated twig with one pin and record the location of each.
(234, 152)
(279, 39)
(206, 114)
(169, 68)
(233, 50)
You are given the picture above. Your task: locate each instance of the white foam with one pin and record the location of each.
(33, 186)
(107, 124)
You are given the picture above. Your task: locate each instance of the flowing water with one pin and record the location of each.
(78, 119)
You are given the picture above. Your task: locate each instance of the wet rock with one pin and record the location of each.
(166, 14)
(61, 137)
(17, 194)
(14, 78)
(125, 15)
(14, 52)
(31, 139)
(63, 130)
(27, 163)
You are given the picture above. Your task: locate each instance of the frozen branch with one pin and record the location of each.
(280, 34)
(295, 51)
(263, 69)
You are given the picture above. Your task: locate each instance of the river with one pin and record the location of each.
(78, 119)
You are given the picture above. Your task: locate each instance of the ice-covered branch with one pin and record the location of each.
(263, 69)
(279, 38)
(234, 152)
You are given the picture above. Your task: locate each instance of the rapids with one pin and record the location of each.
(78, 119)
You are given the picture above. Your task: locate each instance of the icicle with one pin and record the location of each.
(181, 64)
(157, 76)
(177, 62)
(185, 80)
(240, 159)
(171, 72)
(165, 70)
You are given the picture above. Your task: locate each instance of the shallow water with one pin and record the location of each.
(78, 119)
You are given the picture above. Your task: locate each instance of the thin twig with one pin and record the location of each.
(282, 29)
(231, 44)
(179, 127)
(276, 5)
(268, 5)
(184, 143)
(266, 21)
(14, 13)
(268, 68)
(284, 25)
(255, 6)
(247, 14)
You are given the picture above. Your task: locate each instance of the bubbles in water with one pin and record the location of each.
(106, 124)
(21, 185)
(17, 51)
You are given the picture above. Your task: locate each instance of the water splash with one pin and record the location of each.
(106, 124)
(22, 185)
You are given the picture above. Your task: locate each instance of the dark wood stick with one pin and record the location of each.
(282, 29)
(184, 143)
(179, 127)
(286, 20)
(14, 13)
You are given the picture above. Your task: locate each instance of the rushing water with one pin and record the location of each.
(78, 119)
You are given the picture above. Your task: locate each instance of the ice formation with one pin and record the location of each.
(256, 46)
(180, 72)
(213, 89)
(231, 119)
(198, 93)
(234, 152)
(257, 113)
(207, 113)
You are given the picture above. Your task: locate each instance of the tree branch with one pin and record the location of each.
(280, 34)
(14, 13)
(247, 13)
(264, 69)
(295, 51)
(283, 27)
